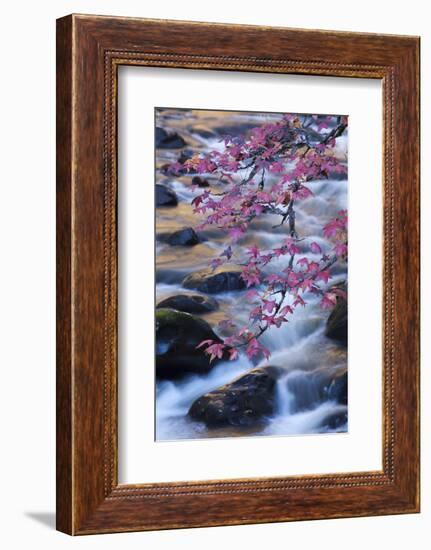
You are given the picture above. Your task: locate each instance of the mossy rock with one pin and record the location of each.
(190, 303)
(247, 401)
(212, 281)
(337, 323)
(177, 336)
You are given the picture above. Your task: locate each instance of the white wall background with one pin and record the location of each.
(27, 245)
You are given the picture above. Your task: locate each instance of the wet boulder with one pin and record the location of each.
(185, 154)
(165, 140)
(247, 401)
(165, 196)
(211, 281)
(335, 421)
(204, 133)
(337, 389)
(189, 303)
(237, 129)
(183, 237)
(310, 388)
(336, 325)
(177, 335)
(200, 182)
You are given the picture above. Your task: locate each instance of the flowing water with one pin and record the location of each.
(300, 346)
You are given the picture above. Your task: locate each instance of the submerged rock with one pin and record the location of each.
(246, 401)
(221, 279)
(177, 335)
(164, 140)
(200, 182)
(338, 387)
(309, 388)
(165, 196)
(203, 132)
(237, 129)
(336, 325)
(189, 303)
(335, 420)
(186, 154)
(183, 237)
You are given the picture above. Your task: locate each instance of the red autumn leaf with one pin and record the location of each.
(315, 248)
(323, 276)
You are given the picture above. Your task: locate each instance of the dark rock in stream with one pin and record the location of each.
(183, 237)
(204, 133)
(247, 401)
(186, 154)
(200, 182)
(189, 303)
(338, 387)
(221, 279)
(165, 196)
(237, 129)
(177, 335)
(336, 325)
(168, 141)
(335, 420)
(309, 388)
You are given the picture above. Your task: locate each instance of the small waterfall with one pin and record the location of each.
(284, 398)
(303, 406)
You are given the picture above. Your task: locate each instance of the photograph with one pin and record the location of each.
(251, 273)
(213, 318)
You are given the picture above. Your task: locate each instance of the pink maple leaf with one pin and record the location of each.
(253, 251)
(285, 310)
(265, 352)
(215, 350)
(299, 302)
(252, 348)
(323, 276)
(303, 262)
(251, 294)
(256, 314)
(315, 248)
(233, 354)
(313, 267)
(302, 193)
(269, 305)
(204, 343)
(236, 233)
(273, 278)
(306, 284)
(328, 301)
(340, 249)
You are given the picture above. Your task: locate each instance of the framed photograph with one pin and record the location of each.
(237, 274)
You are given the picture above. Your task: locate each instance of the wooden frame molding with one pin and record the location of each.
(89, 51)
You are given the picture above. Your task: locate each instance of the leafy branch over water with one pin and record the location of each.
(296, 151)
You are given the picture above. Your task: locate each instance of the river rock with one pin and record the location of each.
(200, 182)
(309, 388)
(336, 325)
(185, 154)
(164, 140)
(247, 401)
(203, 132)
(183, 237)
(338, 387)
(335, 420)
(177, 335)
(165, 196)
(221, 279)
(239, 128)
(189, 303)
